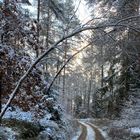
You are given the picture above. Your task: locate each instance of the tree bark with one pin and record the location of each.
(102, 67)
(64, 71)
(0, 94)
(89, 94)
(38, 28)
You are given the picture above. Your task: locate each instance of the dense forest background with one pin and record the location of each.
(52, 63)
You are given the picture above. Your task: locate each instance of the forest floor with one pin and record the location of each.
(12, 129)
(125, 127)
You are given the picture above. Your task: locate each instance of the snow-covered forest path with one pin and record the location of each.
(90, 132)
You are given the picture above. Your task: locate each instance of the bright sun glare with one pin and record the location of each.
(83, 12)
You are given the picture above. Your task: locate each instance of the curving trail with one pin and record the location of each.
(83, 135)
(98, 135)
(90, 132)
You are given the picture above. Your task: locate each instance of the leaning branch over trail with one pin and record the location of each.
(13, 94)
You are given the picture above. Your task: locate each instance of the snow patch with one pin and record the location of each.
(7, 133)
(135, 130)
(49, 124)
(77, 135)
(18, 114)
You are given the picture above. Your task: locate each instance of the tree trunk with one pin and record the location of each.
(89, 95)
(0, 95)
(48, 30)
(48, 26)
(102, 67)
(38, 30)
(64, 71)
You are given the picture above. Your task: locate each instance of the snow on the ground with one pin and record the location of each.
(86, 120)
(77, 135)
(135, 130)
(25, 116)
(57, 130)
(8, 133)
(90, 132)
(18, 114)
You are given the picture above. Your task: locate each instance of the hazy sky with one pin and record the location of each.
(83, 12)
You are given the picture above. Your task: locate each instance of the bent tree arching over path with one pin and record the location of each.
(13, 94)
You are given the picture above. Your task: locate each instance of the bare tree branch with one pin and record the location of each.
(124, 19)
